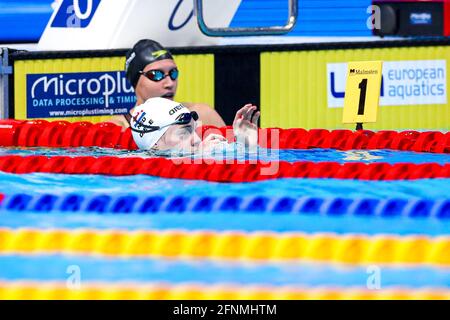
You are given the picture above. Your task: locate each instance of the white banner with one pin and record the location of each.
(411, 82)
(112, 24)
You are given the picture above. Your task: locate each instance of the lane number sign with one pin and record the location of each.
(362, 91)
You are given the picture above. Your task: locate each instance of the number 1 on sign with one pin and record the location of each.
(362, 92)
(362, 96)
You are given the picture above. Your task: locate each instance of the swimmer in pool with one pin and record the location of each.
(163, 125)
(152, 71)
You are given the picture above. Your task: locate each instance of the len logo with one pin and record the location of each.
(75, 13)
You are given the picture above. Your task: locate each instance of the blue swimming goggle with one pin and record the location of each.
(184, 118)
(157, 75)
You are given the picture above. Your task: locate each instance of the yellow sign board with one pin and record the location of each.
(362, 91)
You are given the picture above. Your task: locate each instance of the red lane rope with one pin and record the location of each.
(41, 133)
(219, 171)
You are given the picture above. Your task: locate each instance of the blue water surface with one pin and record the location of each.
(291, 187)
(115, 269)
(233, 151)
(141, 270)
(220, 222)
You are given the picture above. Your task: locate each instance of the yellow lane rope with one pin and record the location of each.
(156, 291)
(326, 247)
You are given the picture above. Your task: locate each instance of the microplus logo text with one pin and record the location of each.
(94, 93)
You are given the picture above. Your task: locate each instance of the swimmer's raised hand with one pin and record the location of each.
(245, 125)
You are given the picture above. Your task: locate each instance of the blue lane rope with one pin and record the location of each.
(141, 204)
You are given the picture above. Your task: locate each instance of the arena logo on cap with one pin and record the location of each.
(50, 94)
(75, 13)
(175, 109)
(412, 82)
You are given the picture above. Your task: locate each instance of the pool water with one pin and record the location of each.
(141, 184)
(293, 187)
(234, 152)
(52, 267)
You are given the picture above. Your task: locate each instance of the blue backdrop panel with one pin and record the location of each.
(315, 17)
(23, 21)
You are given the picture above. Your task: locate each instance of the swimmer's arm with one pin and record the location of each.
(206, 114)
(120, 121)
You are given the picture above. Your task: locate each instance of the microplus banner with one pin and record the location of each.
(412, 82)
(78, 94)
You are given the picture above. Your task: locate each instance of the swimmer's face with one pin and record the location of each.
(181, 138)
(166, 88)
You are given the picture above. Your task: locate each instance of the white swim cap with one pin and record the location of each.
(155, 112)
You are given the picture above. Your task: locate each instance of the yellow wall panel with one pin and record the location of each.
(294, 90)
(196, 78)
